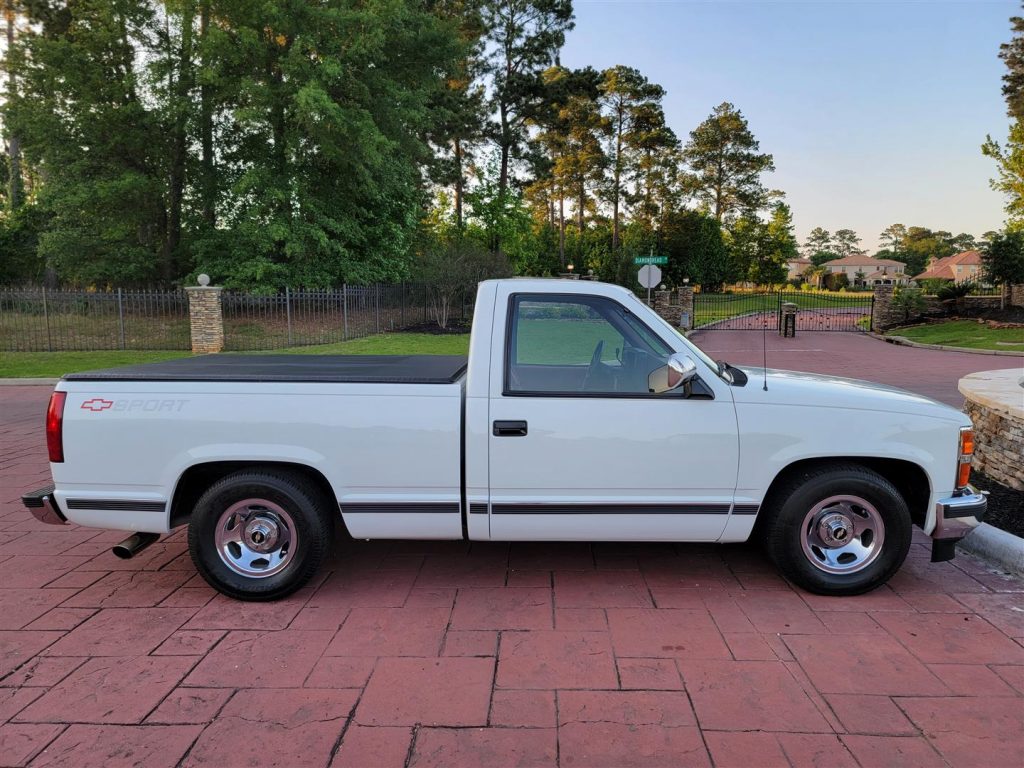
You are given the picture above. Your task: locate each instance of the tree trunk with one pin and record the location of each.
(505, 149)
(458, 182)
(208, 187)
(561, 229)
(617, 182)
(582, 207)
(179, 150)
(15, 192)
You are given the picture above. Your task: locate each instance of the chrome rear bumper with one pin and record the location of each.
(955, 517)
(42, 506)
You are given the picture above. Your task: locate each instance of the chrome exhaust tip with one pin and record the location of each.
(134, 544)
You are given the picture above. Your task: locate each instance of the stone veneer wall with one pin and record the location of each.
(884, 316)
(673, 305)
(207, 320)
(995, 405)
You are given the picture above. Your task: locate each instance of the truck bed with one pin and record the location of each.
(353, 369)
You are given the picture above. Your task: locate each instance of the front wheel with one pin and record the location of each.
(838, 530)
(259, 534)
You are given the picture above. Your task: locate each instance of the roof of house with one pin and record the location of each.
(945, 268)
(879, 273)
(862, 261)
(799, 260)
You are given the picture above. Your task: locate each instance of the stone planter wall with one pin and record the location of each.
(995, 404)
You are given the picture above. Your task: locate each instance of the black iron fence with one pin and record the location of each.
(301, 318)
(46, 320)
(815, 310)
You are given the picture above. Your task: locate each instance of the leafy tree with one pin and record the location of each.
(523, 37)
(637, 129)
(1003, 258)
(450, 264)
(817, 241)
(1012, 54)
(892, 238)
(1010, 168)
(822, 257)
(727, 163)
(921, 246)
(846, 242)
(693, 243)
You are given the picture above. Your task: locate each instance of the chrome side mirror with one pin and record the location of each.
(677, 371)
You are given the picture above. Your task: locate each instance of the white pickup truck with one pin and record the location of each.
(580, 415)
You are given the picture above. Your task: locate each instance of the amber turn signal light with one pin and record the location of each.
(963, 471)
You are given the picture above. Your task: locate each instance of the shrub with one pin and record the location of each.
(951, 291)
(909, 302)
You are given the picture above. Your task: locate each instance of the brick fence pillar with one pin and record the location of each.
(881, 308)
(686, 307)
(206, 319)
(1016, 295)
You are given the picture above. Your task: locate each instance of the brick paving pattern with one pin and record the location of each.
(454, 654)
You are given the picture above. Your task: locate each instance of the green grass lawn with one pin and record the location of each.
(53, 364)
(965, 333)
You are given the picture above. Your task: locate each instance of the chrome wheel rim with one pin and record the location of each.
(842, 534)
(256, 538)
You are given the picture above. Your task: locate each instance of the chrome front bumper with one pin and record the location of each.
(42, 506)
(955, 517)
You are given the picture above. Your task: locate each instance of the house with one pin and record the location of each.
(958, 268)
(795, 268)
(863, 270)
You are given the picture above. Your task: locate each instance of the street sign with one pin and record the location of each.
(649, 276)
(638, 260)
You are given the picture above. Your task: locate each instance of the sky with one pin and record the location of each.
(875, 112)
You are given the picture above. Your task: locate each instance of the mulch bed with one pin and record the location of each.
(454, 327)
(1005, 505)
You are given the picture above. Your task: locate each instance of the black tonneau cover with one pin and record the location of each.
(353, 369)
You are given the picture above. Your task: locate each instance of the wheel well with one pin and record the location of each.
(908, 478)
(196, 479)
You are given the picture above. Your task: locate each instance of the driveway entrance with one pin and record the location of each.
(849, 312)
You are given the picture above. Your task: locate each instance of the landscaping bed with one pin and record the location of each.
(1001, 335)
(1005, 504)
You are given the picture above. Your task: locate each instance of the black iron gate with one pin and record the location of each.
(815, 311)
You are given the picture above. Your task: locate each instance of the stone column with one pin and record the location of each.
(881, 310)
(663, 303)
(206, 318)
(686, 307)
(1016, 295)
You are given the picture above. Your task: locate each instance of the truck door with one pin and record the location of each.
(580, 449)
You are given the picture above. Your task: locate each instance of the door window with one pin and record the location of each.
(571, 344)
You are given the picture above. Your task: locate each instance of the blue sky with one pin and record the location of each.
(874, 111)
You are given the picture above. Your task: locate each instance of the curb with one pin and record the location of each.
(905, 342)
(27, 382)
(996, 546)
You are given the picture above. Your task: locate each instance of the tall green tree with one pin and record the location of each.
(892, 237)
(1003, 258)
(1012, 54)
(845, 242)
(921, 246)
(727, 164)
(523, 38)
(633, 106)
(696, 250)
(818, 240)
(1009, 159)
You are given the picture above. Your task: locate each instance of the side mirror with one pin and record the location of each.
(677, 371)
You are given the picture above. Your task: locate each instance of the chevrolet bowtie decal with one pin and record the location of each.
(97, 404)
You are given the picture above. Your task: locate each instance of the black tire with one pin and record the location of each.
(304, 507)
(791, 535)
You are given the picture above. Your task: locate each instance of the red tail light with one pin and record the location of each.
(55, 426)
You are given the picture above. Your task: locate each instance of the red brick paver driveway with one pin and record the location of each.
(446, 654)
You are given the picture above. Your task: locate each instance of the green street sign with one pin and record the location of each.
(650, 260)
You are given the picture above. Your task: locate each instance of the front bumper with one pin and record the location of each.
(955, 517)
(43, 507)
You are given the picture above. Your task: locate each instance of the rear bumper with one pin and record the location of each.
(43, 507)
(955, 517)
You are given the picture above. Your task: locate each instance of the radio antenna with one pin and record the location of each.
(764, 347)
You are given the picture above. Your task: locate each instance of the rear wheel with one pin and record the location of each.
(259, 534)
(838, 530)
